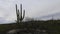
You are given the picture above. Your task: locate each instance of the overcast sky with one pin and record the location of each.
(33, 8)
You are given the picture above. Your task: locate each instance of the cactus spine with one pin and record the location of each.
(20, 15)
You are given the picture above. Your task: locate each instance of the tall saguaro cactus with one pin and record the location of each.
(20, 14)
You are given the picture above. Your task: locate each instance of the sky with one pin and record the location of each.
(33, 8)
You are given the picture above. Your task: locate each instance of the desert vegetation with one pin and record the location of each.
(31, 26)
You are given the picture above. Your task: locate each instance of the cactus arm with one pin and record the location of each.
(23, 14)
(21, 10)
(16, 12)
(16, 9)
(18, 16)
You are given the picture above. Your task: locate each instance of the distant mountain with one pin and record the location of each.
(54, 16)
(3, 20)
(51, 16)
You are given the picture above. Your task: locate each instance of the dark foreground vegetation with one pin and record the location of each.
(49, 27)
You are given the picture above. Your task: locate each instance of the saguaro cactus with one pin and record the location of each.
(20, 14)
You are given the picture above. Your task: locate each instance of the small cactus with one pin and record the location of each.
(19, 13)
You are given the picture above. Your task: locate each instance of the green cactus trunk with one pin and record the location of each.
(19, 13)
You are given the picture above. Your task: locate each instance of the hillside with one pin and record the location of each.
(51, 26)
